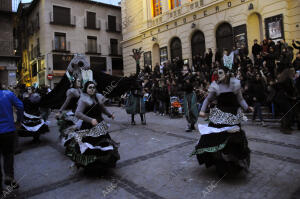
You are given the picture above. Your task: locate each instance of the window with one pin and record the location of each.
(60, 41)
(34, 70)
(98, 63)
(61, 62)
(117, 63)
(147, 59)
(274, 27)
(92, 44)
(157, 7)
(37, 21)
(175, 3)
(61, 15)
(91, 20)
(38, 46)
(163, 54)
(114, 46)
(112, 23)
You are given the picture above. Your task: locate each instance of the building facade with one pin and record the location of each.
(8, 59)
(53, 31)
(167, 29)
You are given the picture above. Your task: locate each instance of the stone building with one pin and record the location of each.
(183, 28)
(8, 60)
(52, 31)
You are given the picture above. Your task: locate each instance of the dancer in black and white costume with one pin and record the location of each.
(223, 143)
(91, 145)
(32, 125)
(67, 118)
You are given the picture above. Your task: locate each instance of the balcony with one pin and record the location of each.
(111, 28)
(115, 52)
(96, 26)
(71, 22)
(6, 48)
(89, 50)
(61, 48)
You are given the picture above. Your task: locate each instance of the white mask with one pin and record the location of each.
(91, 89)
(221, 75)
(78, 83)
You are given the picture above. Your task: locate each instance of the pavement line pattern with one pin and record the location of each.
(136, 190)
(49, 187)
(153, 155)
(277, 157)
(249, 138)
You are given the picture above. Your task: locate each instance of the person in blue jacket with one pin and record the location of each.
(7, 134)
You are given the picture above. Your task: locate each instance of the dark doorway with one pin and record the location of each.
(176, 49)
(224, 37)
(198, 43)
(98, 63)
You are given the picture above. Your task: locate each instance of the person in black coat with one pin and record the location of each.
(270, 61)
(256, 49)
(284, 60)
(286, 98)
(208, 57)
(257, 93)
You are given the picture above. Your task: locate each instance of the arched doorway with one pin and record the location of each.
(176, 49)
(224, 37)
(198, 43)
(155, 55)
(254, 29)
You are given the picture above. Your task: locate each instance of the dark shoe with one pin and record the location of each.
(188, 129)
(193, 127)
(11, 182)
(18, 151)
(36, 141)
(132, 122)
(143, 122)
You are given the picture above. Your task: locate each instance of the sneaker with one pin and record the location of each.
(263, 124)
(132, 122)
(143, 123)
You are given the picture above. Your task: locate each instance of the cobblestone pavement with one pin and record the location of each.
(155, 164)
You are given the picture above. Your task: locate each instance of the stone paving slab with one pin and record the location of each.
(99, 189)
(136, 142)
(155, 164)
(41, 167)
(174, 176)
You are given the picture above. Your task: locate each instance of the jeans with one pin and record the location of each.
(155, 106)
(257, 110)
(7, 141)
(162, 107)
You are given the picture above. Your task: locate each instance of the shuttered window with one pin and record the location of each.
(61, 15)
(91, 19)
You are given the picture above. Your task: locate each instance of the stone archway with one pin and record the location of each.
(224, 37)
(155, 55)
(176, 48)
(198, 43)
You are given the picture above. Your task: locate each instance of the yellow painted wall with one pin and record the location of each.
(254, 30)
(143, 27)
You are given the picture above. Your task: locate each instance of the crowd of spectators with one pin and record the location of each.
(271, 68)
